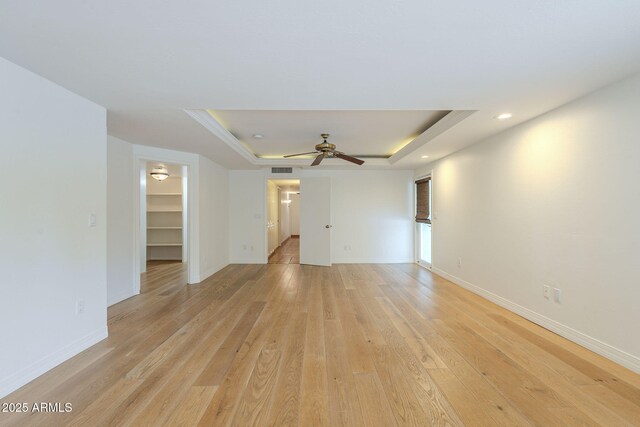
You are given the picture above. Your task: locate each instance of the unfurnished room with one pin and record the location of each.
(337, 213)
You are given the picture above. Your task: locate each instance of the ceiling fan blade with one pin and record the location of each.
(318, 159)
(300, 154)
(349, 158)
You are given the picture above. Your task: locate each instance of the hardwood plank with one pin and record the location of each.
(285, 344)
(344, 405)
(254, 405)
(191, 408)
(374, 404)
(314, 405)
(286, 395)
(217, 368)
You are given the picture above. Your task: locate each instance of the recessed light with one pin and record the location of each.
(424, 157)
(504, 116)
(258, 135)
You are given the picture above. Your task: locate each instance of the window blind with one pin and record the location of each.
(422, 200)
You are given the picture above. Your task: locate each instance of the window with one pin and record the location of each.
(423, 220)
(423, 200)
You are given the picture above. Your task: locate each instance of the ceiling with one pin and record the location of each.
(147, 62)
(361, 133)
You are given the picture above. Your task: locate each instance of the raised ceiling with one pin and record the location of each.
(148, 61)
(362, 133)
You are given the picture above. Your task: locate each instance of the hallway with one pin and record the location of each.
(288, 253)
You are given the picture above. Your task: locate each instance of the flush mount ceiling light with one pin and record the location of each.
(258, 135)
(159, 173)
(424, 157)
(504, 116)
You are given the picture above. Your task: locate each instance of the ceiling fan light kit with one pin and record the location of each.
(327, 150)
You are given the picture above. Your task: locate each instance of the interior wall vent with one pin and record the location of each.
(281, 170)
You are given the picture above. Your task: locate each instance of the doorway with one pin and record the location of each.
(283, 221)
(423, 220)
(164, 223)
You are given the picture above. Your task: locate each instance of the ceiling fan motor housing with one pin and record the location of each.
(325, 146)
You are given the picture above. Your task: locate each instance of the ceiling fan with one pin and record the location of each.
(325, 150)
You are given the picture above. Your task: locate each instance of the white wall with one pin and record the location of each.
(54, 156)
(273, 230)
(372, 217)
(247, 217)
(553, 201)
(368, 226)
(214, 217)
(120, 176)
(294, 213)
(285, 220)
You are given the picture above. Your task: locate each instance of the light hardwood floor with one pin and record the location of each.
(353, 345)
(287, 253)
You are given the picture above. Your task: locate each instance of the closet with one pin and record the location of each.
(164, 219)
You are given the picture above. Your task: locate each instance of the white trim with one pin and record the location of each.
(444, 124)
(34, 370)
(247, 261)
(120, 297)
(424, 265)
(615, 354)
(212, 125)
(371, 260)
(204, 118)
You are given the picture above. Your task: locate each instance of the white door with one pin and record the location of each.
(315, 221)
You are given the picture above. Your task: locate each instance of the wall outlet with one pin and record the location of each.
(557, 295)
(546, 291)
(459, 262)
(80, 308)
(347, 247)
(92, 220)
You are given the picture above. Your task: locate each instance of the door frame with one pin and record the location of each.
(141, 156)
(265, 206)
(416, 228)
(265, 209)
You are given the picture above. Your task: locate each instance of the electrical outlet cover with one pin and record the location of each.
(557, 295)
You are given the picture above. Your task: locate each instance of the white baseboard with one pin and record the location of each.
(34, 370)
(615, 354)
(211, 271)
(372, 260)
(119, 297)
(247, 261)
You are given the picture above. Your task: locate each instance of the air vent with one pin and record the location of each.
(281, 170)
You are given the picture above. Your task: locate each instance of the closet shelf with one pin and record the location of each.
(164, 244)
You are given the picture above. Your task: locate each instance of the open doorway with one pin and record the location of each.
(164, 220)
(423, 220)
(283, 221)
